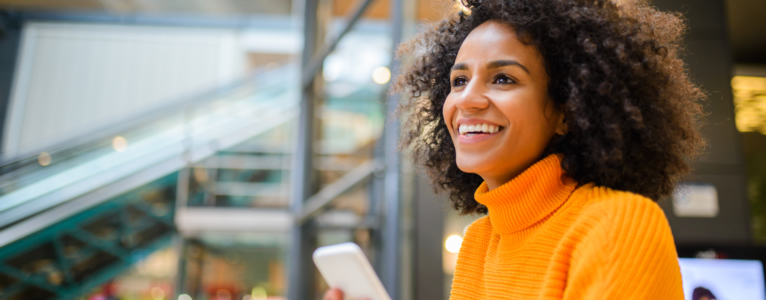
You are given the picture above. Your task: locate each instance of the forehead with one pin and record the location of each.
(493, 40)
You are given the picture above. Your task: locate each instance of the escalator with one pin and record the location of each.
(76, 216)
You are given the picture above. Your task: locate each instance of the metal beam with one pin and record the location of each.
(315, 64)
(391, 255)
(299, 277)
(303, 239)
(180, 247)
(194, 220)
(25, 278)
(321, 200)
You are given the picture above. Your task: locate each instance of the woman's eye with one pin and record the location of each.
(459, 81)
(503, 79)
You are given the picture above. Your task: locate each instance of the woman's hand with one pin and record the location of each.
(334, 294)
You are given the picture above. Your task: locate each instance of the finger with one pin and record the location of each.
(334, 294)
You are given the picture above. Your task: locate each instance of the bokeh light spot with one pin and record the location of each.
(381, 75)
(157, 293)
(119, 143)
(44, 159)
(184, 297)
(258, 293)
(453, 243)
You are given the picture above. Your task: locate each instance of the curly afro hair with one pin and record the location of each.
(614, 69)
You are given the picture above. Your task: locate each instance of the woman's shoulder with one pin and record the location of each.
(625, 239)
(481, 225)
(599, 200)
(619, 212)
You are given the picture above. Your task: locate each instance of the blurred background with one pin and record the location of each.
(202, 149)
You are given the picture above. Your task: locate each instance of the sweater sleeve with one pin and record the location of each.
(626, 252)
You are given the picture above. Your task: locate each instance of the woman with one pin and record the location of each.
(562, 120)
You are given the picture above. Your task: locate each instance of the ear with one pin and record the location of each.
(561, 125)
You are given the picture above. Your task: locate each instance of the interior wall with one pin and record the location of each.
(710, 61)
(75, 79)
(10, 36)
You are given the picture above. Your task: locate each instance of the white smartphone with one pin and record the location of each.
(344, 266)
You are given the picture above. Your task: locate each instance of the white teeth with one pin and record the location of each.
(464, 129)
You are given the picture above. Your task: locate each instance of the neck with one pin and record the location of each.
(527, 198)
(493, 181)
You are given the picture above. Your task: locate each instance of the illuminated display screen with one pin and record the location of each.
(722, 279)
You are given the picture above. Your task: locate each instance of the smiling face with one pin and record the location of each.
(498, 111)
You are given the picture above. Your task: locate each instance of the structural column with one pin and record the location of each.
(300, 269)
(391, 256)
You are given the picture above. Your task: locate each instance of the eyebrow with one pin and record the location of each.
(493, 65)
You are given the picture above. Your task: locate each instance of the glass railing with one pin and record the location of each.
(256, 172)
(155, 144)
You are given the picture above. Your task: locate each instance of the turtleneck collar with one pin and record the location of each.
(528, 198)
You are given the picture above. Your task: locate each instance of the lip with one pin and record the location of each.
(464, 139)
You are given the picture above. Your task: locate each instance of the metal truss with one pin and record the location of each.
(306, 202)
(75, 255)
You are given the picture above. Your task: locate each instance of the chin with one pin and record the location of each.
(469, 165)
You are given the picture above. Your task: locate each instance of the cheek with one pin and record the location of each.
(526, 118)
(448, 113)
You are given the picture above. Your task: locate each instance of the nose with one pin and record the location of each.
(473, 97)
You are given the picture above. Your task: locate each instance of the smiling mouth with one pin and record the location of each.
(477, 129)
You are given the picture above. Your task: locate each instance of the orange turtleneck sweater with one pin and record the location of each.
(547, 238)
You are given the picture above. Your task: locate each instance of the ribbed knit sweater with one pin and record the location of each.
(546, 237)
